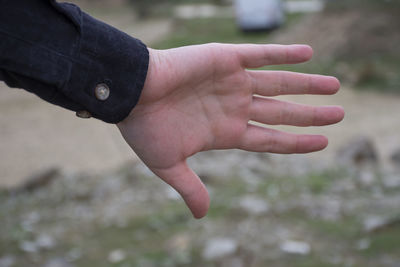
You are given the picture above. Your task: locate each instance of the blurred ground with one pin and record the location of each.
(265, 211)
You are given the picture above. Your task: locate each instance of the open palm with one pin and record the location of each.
(198, 98)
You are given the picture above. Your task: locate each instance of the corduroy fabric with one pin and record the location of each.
(60, 53)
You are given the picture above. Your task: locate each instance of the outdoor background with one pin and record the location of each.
(74, 194)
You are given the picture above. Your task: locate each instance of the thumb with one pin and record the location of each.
(184, 180)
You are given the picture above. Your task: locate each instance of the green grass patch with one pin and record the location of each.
(218, 29)
(387, 241)
(200, 31)
(362, 4)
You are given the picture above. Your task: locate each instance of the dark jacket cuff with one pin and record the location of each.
(110, 57)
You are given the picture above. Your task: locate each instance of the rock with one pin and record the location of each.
(30, 221)
(178, 243)
(395, 157)
(116, 256)
(343, 185)
(295, 247)
(45, 241)
(172, 194)
(37, 180)
(363, 244)
(219, 247)
(367, 176)
(359, 150)
(74, 254)
(233, 262)
(391, 181)
(371, 223)
(57, 262)
(273, 191)
(7, 261)
(330, 209)
(29, 246)
(375, 224)
(254, 205)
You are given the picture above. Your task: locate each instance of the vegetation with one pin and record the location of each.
(160, 231)
(357, 4)
(145, 8)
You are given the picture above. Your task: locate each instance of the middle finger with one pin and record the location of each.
(273, 83)
(276, 112)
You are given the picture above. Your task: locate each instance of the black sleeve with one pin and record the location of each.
(70, 59)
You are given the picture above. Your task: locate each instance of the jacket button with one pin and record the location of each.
(84, 114)
(102, 91)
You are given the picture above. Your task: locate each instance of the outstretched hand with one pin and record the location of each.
(198, 98)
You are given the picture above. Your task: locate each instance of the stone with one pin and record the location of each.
(363, 244)
(7, 261)
(38, 180)
(74, 254)
(57, 262)
(219, 247)
(45, 241)
(116, 256)
(395, 157)
(178, 243)
(172, 194)
(359, 150)
(367, 177)
(391, 181)
(373, 222)
(254, 205)
(30, 220)
(273, 191)
(330, 209)
(233, 262)
(295, 247)
(29, 246)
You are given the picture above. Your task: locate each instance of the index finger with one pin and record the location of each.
(256, 56)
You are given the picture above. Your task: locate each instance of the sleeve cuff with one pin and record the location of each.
(109, 71)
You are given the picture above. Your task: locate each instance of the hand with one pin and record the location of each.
(198, 98)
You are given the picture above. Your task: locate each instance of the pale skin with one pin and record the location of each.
(203, 97)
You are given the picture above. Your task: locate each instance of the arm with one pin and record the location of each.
(62, 54)
(202, 97)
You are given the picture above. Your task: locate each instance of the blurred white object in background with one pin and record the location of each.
(256, 15)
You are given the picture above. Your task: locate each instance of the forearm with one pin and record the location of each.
(62, 54)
